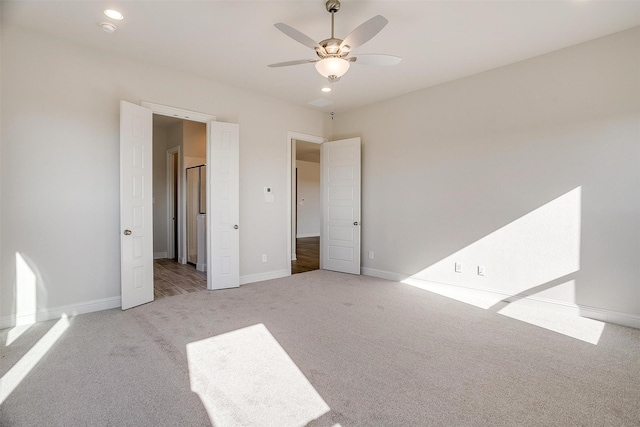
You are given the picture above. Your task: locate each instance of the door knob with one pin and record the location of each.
(127, 232)
(235, 226)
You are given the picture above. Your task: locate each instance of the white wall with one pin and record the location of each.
(1, 151)
(309, 190)
(60, 152)
(531, 170)
(195, 139)
(159, 191)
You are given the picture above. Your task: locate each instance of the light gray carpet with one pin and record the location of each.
(378, 353)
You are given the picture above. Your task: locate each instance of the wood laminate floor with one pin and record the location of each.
(308, 254)
(171, 278)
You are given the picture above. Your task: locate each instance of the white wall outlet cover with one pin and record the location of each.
(267, 190)
(458, 267)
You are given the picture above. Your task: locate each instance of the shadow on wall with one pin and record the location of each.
(521, 268)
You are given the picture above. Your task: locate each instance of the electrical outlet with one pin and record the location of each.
(370, 254)
(481, 270)
(264, 258)
(458, 267)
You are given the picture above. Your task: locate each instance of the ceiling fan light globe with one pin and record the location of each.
(332, 67)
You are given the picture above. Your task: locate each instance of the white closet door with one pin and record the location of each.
(136, 210)
(341, 205)
(223, 235)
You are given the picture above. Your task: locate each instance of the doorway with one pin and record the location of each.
(340, 176)
(137, 200)
(177, 144)
(292, 140)
(306, 207)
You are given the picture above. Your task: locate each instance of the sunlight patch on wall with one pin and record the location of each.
(26, 281)
(26, 299)
(245, 377)
(523, 261)
(21, 369)
(537, 248)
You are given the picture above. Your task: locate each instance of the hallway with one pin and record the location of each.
(171, 278)
(308, 254)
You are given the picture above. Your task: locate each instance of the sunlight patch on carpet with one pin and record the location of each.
(16, 332)
(469, 296)
(565, 320)
(246, 378)
(574, 326)
(21, 369)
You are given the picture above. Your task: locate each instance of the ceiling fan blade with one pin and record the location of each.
(297, 35)
(375, 59)
(297, 62)
(364, 32)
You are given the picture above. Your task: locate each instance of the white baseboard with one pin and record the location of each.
(396, 277)
(601, 314)
(260, 277)
(160, 255)
(294, 257)
(201, 266)
(304, 235)
(610, 316)
(57, 312)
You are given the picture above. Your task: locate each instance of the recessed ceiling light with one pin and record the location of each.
(326, 89)
(108, 27)
(113, 14)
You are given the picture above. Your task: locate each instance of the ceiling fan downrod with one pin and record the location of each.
(332, 7)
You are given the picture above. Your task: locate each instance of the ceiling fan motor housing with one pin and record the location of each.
(331, 48)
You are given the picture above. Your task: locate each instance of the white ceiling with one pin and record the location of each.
(232, 42)
(307, 151)
(164, 122)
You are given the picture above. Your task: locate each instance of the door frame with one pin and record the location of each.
(291, 167)
(171, 200)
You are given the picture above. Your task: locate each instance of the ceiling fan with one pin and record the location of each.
(333, 59)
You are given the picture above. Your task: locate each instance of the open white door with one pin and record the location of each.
(340, 246)
(136, 210)
(223, 234)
